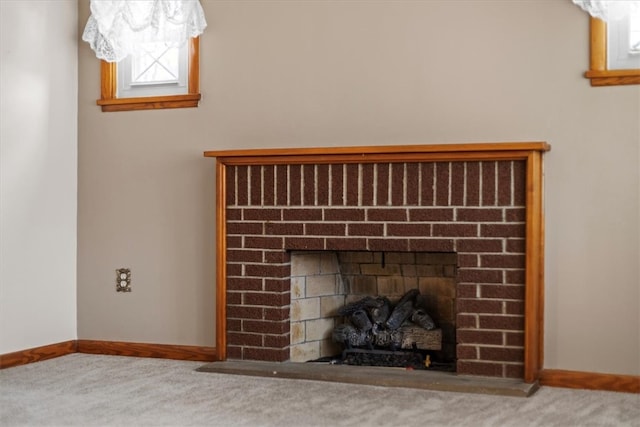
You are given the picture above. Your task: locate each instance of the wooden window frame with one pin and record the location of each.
(598, 72)
(109, 84)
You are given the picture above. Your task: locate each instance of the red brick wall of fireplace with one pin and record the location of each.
(473, 208)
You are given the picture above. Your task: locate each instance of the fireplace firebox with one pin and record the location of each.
(482, 202)
(331, 290)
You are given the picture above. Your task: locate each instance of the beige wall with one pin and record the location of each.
(324, 73)
(38, 179)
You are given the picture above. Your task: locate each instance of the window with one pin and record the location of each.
(623, 42)
(157, 70)
(159, 78)
(615, 52)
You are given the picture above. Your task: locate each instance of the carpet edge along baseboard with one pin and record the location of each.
(548, 377)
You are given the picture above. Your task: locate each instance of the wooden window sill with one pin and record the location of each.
(150, 103)
(613, 77)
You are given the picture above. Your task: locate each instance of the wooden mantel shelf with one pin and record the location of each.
(443, 152)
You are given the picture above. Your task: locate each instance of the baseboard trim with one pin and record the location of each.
(162, 351)
(590, 380)
(37, 354)
(113, 348)
(548, 377)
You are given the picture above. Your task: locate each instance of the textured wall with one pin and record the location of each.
(325, 73)
(38, 181)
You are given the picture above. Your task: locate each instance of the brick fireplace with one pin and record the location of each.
(480, 202)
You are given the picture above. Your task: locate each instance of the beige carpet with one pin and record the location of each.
(88, 390)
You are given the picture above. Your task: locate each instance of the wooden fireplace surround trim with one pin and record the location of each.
(531, 152)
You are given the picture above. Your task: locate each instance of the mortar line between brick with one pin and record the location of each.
(464, 186)
(512, 183)
(374, 184)
(495, 183)
(390, 185)
(434, 186)
(480, 184)
(360, 186)
(288, 185)
(315, 185)
(303, 202)
(449, 189)
(249, 173)
(329, 187)
(420, 184)
(511, 347)
(344, 186)
(404, 184)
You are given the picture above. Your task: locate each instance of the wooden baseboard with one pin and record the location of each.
(590, 380)
(548, 377)
(37, 354)
(114, 348)
(162, 351)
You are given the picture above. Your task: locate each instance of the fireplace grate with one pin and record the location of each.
(387, 358)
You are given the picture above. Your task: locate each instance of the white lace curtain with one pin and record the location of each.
(608, 10)
(116, 28)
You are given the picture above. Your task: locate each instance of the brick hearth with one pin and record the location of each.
(468, 202)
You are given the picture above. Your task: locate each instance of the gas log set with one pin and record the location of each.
(379, 333)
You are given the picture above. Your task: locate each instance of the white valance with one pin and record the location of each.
(117, 27)
(608, 10)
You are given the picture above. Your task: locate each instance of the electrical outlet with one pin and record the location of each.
(123, 280)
